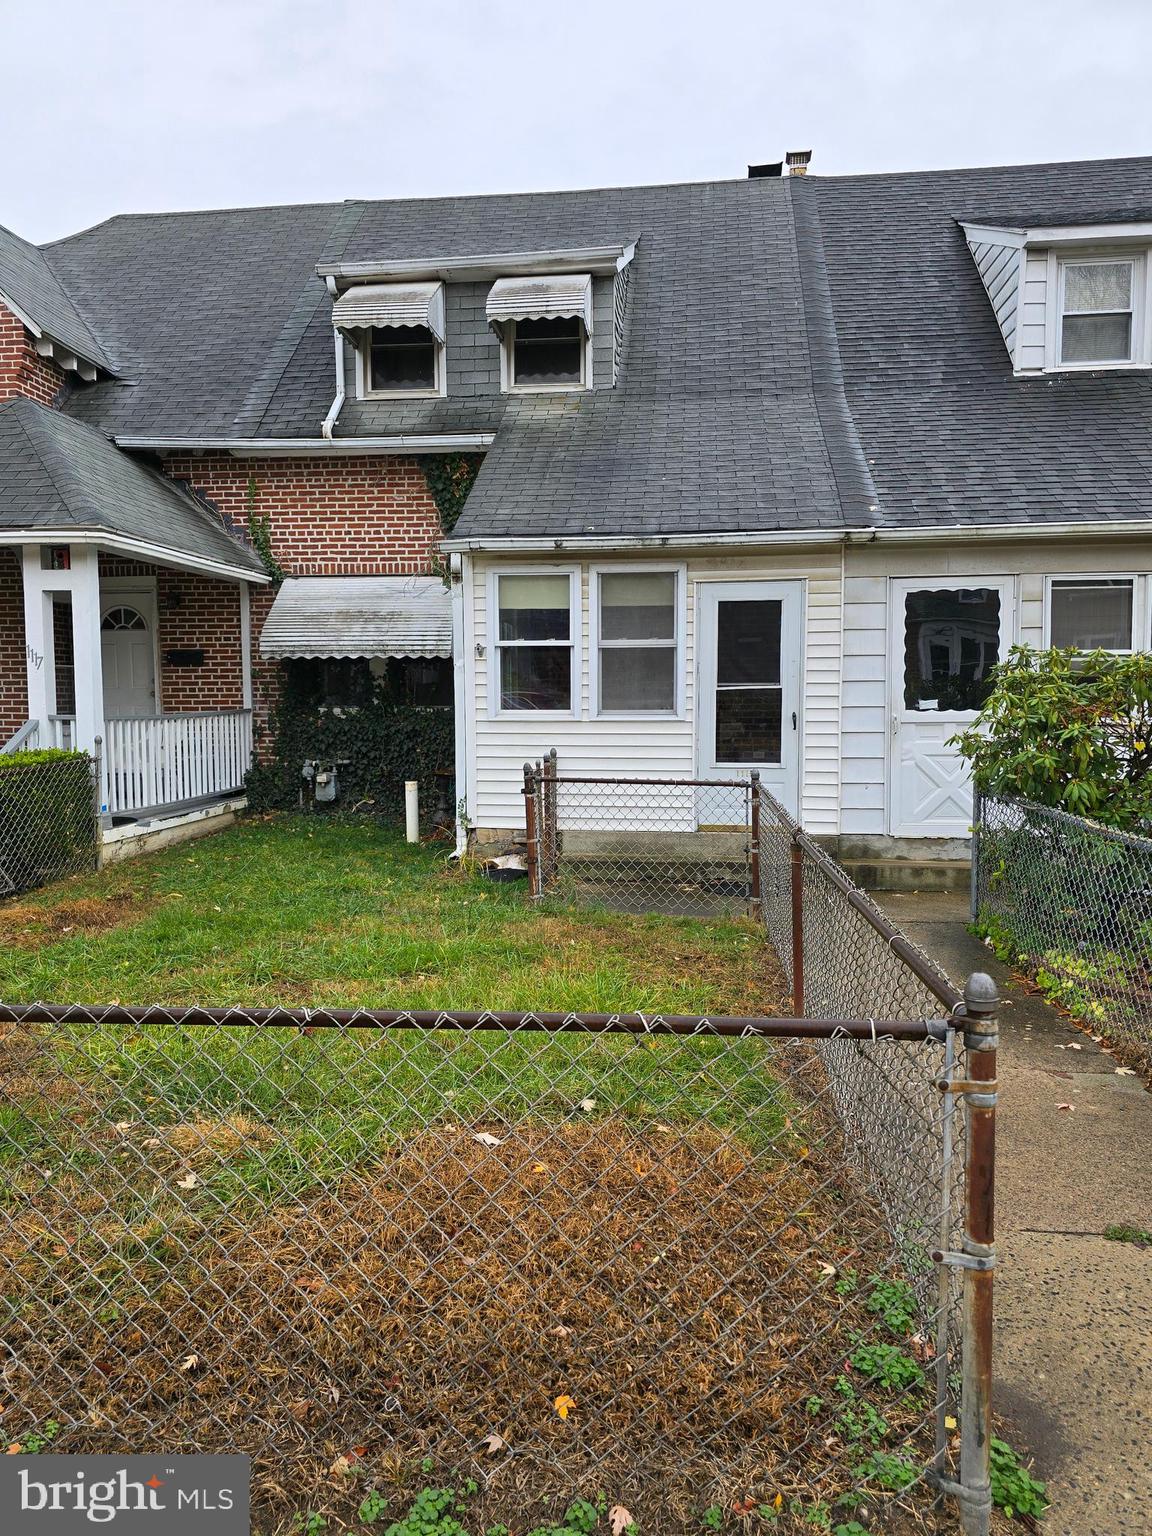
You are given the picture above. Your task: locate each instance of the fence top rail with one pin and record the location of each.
(726, 1025)
(1057, 813)
(184, 714)
(573, 778)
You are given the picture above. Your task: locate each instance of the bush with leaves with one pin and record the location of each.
(47, 817)
(1070, 729)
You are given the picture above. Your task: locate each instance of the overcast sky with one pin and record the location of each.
(127, 106)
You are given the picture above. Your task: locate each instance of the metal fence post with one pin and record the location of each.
(530, 785)
(797, 929)
(754, 855)
(978, 1256)
(98, 802)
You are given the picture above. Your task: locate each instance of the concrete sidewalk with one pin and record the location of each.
(1073, 1310)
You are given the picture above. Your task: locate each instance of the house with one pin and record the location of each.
(772, 471)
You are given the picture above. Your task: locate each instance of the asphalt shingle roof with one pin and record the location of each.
(799, 353)
(58, 474)
(27, 279)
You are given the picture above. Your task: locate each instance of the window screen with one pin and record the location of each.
(548, 351)
(534, 629)
(1097, 319)
(1092, 614)
(402, 358)
(638, 641)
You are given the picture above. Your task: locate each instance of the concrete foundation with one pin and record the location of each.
(127, 842)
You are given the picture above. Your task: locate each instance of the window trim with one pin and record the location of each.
(1058, 260)
(496, 645)
(508, 366)
(679, 570)
(1140, 613)
(363, 353)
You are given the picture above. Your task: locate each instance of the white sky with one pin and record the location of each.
(120, 106)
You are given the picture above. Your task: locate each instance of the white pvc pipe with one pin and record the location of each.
(412, 810)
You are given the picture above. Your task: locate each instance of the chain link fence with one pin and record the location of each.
(528, 1257)
(1070, 903)
(48, 818)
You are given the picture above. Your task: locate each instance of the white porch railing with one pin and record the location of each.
(60, 728)
(165, 759)
(26, 739)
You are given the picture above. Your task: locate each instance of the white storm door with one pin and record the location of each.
(749, 647)
(128, 653)
(945, 638)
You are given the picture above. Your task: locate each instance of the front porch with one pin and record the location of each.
(147, 667)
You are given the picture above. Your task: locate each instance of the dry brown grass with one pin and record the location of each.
(30, 924)
(671, 1283)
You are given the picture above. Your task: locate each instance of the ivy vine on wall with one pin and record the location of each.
(450, 476)
(260, 532)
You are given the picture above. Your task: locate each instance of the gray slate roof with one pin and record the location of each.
(799, 353)
(57, 475)
(27, 279)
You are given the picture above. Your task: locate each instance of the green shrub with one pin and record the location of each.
(1069, 729)
(47, 817)
(1014, 1489)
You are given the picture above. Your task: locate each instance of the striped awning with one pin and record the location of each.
(541, 298)
(359, 616)
(391, 304)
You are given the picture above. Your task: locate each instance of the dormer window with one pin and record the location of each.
(402, 360)
(397, 330)
(544, 325)
(1096, 312)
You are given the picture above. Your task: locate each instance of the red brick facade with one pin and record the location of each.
(13, 668)
(22, 370)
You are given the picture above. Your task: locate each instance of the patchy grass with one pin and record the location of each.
(306, 912)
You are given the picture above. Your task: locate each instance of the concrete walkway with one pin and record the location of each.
(1074, 1310)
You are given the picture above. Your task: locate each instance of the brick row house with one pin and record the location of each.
(774, 471)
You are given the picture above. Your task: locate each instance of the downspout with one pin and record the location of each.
(459, 570)
(328, 425)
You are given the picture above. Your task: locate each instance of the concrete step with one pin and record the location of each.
(909, 874)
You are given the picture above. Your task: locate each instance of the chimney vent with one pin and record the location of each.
(771, 168)
(798, 161)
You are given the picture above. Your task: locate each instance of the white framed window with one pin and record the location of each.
(399, 362)
(545, 355)
(1099, 311)
(534, 627)
(1093, 613)
(638, 629)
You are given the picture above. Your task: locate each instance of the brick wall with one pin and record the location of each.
(22, 371)
(13, 676)
(371, 516)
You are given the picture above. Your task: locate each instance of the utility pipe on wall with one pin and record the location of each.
(412, 810)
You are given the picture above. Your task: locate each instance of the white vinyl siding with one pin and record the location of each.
(1000, 267)
(866, 711)
(653, 745)
(1032, 328)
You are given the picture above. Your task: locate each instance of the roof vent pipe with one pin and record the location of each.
(798, 161)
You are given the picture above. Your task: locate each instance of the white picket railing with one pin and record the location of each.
(153, 760)
(60, 728)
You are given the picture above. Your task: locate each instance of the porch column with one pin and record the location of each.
(85, 586)
(38, 636)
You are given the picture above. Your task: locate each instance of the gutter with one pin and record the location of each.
(302, 447)
(138, 548)
(928, 534)
(600, 260)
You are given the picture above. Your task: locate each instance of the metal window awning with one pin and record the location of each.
(359, 616)
(391, 304)
(541, 298)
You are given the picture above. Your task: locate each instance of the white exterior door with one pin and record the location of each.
(945, 638)
(128, 654)
(749, 644)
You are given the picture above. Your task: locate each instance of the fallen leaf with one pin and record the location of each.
(665, 1130)
(189, 1362)
(539, 1167)
(743, 1506)
(1065, 1106)
(587, 1105)
(1071, 1046)
(619, 1519)
(493, 1443)
(949, 1422)
(152, 1141)
(342, 1467)
(189, 1181)
(14, 1449)
(123, 1125)
(827, 1269)
(1125, 1072)
(560, 1331)
(563, 1404)
(486, 1139)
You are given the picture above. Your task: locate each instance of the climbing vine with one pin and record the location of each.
(450, 476)
(260, 532)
